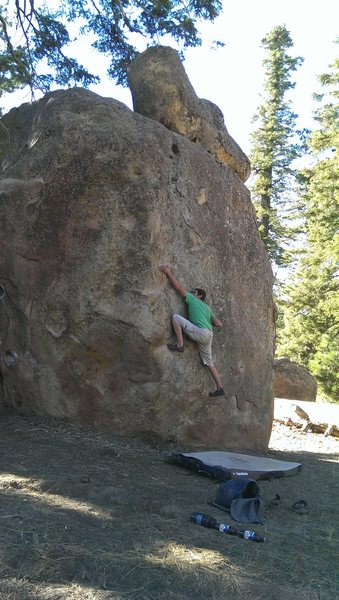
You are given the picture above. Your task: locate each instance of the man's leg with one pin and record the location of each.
(178, 332)
(219, 391)
(215, 376)
(205, 351)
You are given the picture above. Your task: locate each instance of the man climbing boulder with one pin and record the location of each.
(199, 327)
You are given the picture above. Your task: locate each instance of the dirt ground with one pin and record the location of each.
(86, 516)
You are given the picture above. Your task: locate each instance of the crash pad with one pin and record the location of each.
(228, 465)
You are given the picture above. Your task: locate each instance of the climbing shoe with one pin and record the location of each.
(218, 392)
(175, 347)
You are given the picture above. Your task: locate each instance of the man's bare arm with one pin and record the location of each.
(176, 284)
(216, 322)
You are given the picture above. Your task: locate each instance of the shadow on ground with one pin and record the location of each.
(90, 516)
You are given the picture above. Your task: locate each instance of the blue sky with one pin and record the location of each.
(232, 76)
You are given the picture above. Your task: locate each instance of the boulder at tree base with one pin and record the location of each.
(293, 381)
(93, 197)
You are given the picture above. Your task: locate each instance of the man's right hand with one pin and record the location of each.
(165, 269)
(176, 284)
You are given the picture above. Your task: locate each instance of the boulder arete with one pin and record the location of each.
(162, 91)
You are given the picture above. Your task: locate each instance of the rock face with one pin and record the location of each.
(162, 91)
(93, 197)
(293, 382)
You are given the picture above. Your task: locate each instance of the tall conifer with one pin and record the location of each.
(275, 144)
(311, 324)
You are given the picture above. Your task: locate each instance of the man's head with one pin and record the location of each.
(199, 293)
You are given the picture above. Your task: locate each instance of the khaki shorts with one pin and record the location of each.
(203, 338)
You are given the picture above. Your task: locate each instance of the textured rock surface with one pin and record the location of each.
(93, 197)
(293, 382)
(162, 91)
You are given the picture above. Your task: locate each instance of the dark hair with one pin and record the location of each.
(201, 293)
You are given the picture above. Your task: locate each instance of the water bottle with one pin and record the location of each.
(223, 528)
(204, 520)
(251, 535)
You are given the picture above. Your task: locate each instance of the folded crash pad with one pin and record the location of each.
(228, 465)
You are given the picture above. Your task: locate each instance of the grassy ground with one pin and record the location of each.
(85, 516)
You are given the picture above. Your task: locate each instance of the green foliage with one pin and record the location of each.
(275, 144)
(324, 366)
(45, 36)
(13, 63)
(311, 322)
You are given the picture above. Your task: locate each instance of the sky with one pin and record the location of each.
(232, 76)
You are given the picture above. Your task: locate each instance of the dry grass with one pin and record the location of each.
(92, 517)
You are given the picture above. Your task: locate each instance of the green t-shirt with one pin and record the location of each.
(199, 313)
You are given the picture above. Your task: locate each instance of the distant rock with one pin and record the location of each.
(293, 382)
(162, 91)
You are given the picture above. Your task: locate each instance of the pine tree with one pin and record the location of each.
(311, 332)
(274, 143)
(45, 36)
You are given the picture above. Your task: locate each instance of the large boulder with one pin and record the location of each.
(162, 91)
(293, 381)
(93, 197)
